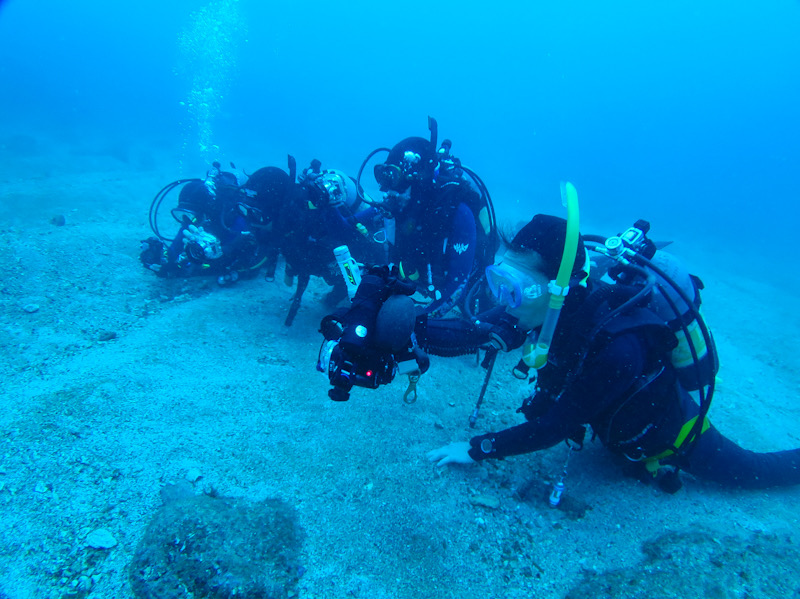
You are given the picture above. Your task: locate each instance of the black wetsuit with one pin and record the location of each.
(624, 386)
(440, 242)
(309, 234)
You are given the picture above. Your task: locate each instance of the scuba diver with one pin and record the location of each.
(270, 189)
(630, 356)
(440, 223)
(225, 225)
(323, 212)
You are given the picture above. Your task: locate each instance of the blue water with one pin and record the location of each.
(681, 112)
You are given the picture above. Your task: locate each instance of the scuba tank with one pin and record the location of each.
(686, 326)
(673, 295)
(675, 298)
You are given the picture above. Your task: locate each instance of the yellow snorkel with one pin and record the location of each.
(536, 356)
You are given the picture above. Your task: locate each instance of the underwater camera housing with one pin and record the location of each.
(373, 340)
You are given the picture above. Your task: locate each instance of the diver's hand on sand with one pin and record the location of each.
(455, 453)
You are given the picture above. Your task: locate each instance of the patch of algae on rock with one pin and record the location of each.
(216, 548)
(699, 564)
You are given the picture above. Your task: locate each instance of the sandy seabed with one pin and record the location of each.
(116, 383)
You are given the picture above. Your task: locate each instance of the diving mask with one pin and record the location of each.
(397, 177)
(388, 176)
(186, 216)
(510, 286)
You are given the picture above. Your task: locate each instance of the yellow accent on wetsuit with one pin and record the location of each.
(681, 356)
(411, 277)
(652, 463)
(483, 221)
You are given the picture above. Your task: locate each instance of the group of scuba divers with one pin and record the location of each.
(609, 329)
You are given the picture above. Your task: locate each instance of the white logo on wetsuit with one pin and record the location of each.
(460, 248)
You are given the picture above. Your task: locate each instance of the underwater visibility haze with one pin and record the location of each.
(131, 405)
(683, 112)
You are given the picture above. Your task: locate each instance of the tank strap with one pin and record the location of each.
(683, 437)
